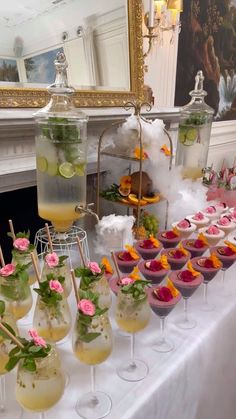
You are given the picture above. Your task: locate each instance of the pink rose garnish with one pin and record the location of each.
(94, 267)
(213, 230)
(55, 285)
(163, 294)
(199, 216)
(38, 341)
(126, 281)
(7, 270)
(186, 276)
(210, 210)
(21, 244)
(87, 307)
(224, 221)
(154, 265)
(52, 259)
(184, 224)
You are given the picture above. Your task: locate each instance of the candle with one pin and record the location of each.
(174, 14)
(159, 6)
(151, 14)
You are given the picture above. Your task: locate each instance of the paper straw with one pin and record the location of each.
(2, 258)
(49, 237)
(116, 266)
(35, 266)
(12, 230)
(81, 251)
(74, 286)
(8, 333)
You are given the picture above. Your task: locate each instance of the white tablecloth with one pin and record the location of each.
(195, 381)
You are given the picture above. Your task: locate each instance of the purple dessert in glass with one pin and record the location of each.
(205, 266)
(176, 257)
(125, 261)
(185, 282)
(195, 246)
(226, 255)
(147, 249)
(159, 307)
(153, 270)
(169, 238)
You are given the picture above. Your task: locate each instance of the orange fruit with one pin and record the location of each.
(151, 199)
(133, 199)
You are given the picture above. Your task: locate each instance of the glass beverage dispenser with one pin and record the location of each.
(61, 140)
(194, 132)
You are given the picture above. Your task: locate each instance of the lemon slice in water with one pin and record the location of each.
(41, 163)
(67, 170)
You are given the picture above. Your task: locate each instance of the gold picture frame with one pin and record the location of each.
(14, 97)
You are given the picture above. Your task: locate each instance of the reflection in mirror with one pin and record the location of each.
(92, 33)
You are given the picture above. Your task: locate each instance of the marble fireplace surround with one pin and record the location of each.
(17, 149)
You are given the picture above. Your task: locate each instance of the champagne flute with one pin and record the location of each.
(92, 345)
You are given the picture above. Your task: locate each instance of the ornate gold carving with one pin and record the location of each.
(11, 97)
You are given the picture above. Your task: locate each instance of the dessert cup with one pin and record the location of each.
(227, 258)
(185, 232)
(211, 212)
(221, 207)
(162, 309)
(192, 245)
(208, 275)
(125, 266)
(186, 289)
(196, 219)
(233, 209)
(147, 253)
(176, 258)
(155, 277)
(232, 238)
(226, 228)
(232, 216)
(212, 239)
(168, 238)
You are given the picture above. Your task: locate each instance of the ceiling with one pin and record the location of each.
(15, 12)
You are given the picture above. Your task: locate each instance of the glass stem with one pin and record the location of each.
(162, 320)
(132, 343)
(223, 277)
(2, 393)
(205, 293)
(186, 310)
(42, 415)
(92, 371)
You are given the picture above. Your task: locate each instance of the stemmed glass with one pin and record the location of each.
(227, 255)
(132, 315)
(92, 345)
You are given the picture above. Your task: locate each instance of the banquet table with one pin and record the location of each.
(195, 381)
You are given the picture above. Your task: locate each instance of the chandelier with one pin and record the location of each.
(163, 15)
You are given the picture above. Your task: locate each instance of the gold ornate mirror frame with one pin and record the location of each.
(16, 97)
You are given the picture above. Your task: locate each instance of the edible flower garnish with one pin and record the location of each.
(172, 288)
(224, 221)
(165, 150)
(88, 308)
(137, 154)
(135, 274)
(213, 230)
(182, 249)
(216, 263)
(131, 250)
(210, 210)
(203, 239)
(89, 274)
(199, 216)
(184, 223)
(175, 231)
(108, 268)
(191, 269)
(154, 241)
(164, 262)
(230, 245)
(125, 181)
(163, 294)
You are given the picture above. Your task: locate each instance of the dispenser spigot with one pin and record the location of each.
(86, 209)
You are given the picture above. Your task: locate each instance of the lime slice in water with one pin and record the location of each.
(182, 136)
(80, 169)
(67, 170)
(41, 163)
(52, 169)
(191, 134)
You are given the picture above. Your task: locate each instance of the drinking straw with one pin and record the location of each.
(2, 257)
(12, 230)
(116, 266)
(81, 251)
(11, 336)
(49, 237)
(35, 266)
(74, 286)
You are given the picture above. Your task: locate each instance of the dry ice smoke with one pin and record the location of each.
(113, 232)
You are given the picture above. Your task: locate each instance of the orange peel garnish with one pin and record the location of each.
(125, 181)
(203, 238)
(176, 231)
(135, 274)
(108, 268)
(191, 269)
(154, 241)
(183, 250)
(132, 252)
(137, 154)
(164, 262)
(165, 150)
(172, 288)
(215, 261)
(230, 245)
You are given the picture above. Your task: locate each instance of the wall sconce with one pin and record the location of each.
(163, 15)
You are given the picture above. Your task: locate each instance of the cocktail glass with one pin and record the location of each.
(154, 276)
(95, 404)
(39, 390)
(132, 315)
(23, 258)
(186, 288)
(147, 253)
(208, 274)
(125, 266)
(227, 258)
(57, 271)
(195, 246)
(16, 294)
(168, 238)
(176, 258)
(162, 309)
(100, 287)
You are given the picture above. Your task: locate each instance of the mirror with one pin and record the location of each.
(102, 41)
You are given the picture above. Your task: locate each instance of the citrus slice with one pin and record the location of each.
(191, 135)
(52, 169)
(151, 199)
(67, 170)
(134, 200)
(182, 136)
(41, 163)
(124, 191)
(80, 169)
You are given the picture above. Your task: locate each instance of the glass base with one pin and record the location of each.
(123, 334)
(10, 410)
(163, 345)
(133, 370)
(207, 307)
(93, 405)
(183, 323)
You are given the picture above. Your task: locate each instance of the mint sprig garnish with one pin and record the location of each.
(136, 289)
(49, 297)
(87, 277)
